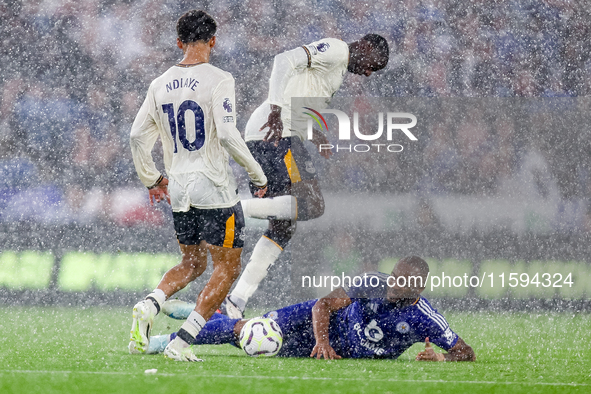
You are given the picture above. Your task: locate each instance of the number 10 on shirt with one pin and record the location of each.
(179, 120)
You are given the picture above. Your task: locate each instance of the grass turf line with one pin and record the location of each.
(71, 350)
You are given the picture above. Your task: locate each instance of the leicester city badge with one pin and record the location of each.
(273, 315)
(403, 327)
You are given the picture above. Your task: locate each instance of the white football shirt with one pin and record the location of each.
(314, 70)
(192, 110)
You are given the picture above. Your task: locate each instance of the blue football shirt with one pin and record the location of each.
(372, 327)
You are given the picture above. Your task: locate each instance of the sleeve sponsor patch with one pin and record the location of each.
(228, 119)
(312, 49)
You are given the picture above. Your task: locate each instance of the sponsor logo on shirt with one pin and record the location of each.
(403, 327)
(228, 119)
(310, 167)
(364, 340)
(322, 47)
(373, 332)
(312, 49)
(227, 105)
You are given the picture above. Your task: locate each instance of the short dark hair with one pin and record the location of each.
(416, 263)
(195, 25)
(380, 45)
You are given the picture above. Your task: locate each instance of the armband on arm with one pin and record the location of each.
(309, 55)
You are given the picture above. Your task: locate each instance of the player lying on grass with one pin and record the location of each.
(276, 142)
(351, 322)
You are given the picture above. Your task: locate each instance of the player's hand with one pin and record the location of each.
(320, 139)
(323, 349)
(261, 192)
(160, 192)
(429, 354)
(275, 125)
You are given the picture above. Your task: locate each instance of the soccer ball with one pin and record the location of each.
(261, 337)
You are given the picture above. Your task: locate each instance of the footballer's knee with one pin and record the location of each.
(281, 231)
(310, 201)
(311, 207)
(316, 209)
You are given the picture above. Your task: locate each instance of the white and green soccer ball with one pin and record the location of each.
(261, 337)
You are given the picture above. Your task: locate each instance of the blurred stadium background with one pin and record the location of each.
(499, 180)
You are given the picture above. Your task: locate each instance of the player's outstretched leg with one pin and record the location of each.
(219, 330)
(280, 208)
(265, 253)
(294, 195)
(294, 320)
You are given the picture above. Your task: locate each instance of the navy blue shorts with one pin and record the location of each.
(296, 325)
(288, 162)
(298, 333)
(220, 227)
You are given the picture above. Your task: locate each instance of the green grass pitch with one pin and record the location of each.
(75, 350)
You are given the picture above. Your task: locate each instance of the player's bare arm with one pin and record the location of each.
(461, 351)
(318, 138)
(321, 313)
(275, 125)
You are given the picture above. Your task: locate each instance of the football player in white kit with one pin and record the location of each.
(191, 108)
(275, 140)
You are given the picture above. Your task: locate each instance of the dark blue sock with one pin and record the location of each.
(218, 330)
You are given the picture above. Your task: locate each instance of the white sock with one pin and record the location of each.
(194, 324)
(280, 208)
(265, 253)
(160, 297)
